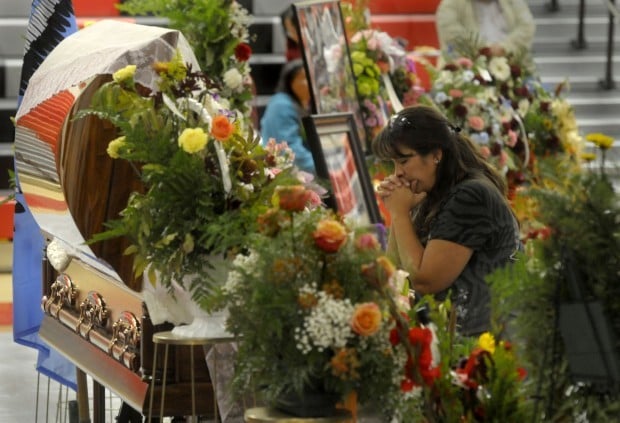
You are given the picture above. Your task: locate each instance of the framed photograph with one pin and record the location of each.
(338, 158)
(329, 69)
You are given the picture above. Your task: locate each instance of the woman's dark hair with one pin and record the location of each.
(287, 74)
(426, 130)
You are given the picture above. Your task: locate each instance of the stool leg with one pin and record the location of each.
(153, 370)
(163, 384)
(192, 375)
(215, 411)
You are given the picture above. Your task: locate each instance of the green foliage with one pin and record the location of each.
(581, 213)
(11, 196)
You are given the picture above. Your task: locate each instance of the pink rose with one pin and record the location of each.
(366, 242)
(476, 123)
(503, 158)
(464, 62)
(512, 138)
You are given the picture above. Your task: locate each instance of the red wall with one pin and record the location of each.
(92, 8)
(403, 6)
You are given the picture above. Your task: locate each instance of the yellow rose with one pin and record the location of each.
(114, 146)
(487, 342)
(329, 235)
(193, 140)
(124, 74)
(366, 319)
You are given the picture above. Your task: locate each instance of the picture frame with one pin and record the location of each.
(329, 69)
(339, 159)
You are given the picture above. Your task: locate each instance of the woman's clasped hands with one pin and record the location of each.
(399, 195)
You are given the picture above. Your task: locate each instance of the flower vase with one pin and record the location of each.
(311, 402)
(204, 324)
(175, 304)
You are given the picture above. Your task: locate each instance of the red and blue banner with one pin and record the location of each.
(50, 22)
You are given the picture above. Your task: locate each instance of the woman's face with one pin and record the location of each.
(299, 86)
(419, 170)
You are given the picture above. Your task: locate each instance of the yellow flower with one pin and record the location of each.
(114, 146)
(124, 74)
(600, 140)
(486, 341)
(188, 243)
(193, 140)
(588, 157)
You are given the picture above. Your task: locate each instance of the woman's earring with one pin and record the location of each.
(436, 161)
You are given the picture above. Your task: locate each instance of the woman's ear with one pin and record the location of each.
(437, 156)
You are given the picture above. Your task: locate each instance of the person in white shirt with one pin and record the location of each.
(504, 26)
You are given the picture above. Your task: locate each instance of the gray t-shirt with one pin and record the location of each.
(476, 215)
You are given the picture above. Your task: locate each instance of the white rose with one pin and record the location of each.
(499, 68)
(233, 79)
(523, 107)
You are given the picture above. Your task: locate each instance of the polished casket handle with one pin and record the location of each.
(93, 312)
(63, 293)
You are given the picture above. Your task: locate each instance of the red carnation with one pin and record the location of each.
(243, 52)
(394, 337)
(406, 385)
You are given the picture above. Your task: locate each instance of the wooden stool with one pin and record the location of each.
(168, 338)
(270, 415)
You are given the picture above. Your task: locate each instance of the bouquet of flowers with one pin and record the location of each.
(378, 60)
(318, 308)
(453, 379)
(501, 104)
(310, 303)
(465, 90)
(204, 175)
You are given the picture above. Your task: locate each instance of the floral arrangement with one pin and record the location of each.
(218, 31)
(502, 106)
(310, 304)
(204, 174)
(317, 307)
(375, 55)
(449, 378)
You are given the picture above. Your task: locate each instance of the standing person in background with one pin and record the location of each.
(293, 49)
(505, 26)
(451, 224)
(282, 117)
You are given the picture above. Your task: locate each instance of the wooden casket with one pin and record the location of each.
(94, 311)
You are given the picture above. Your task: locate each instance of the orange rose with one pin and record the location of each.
(378, 272)
(329, 235)
(270, 222)
(221, 128)
(366, 319)
(291, 198)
